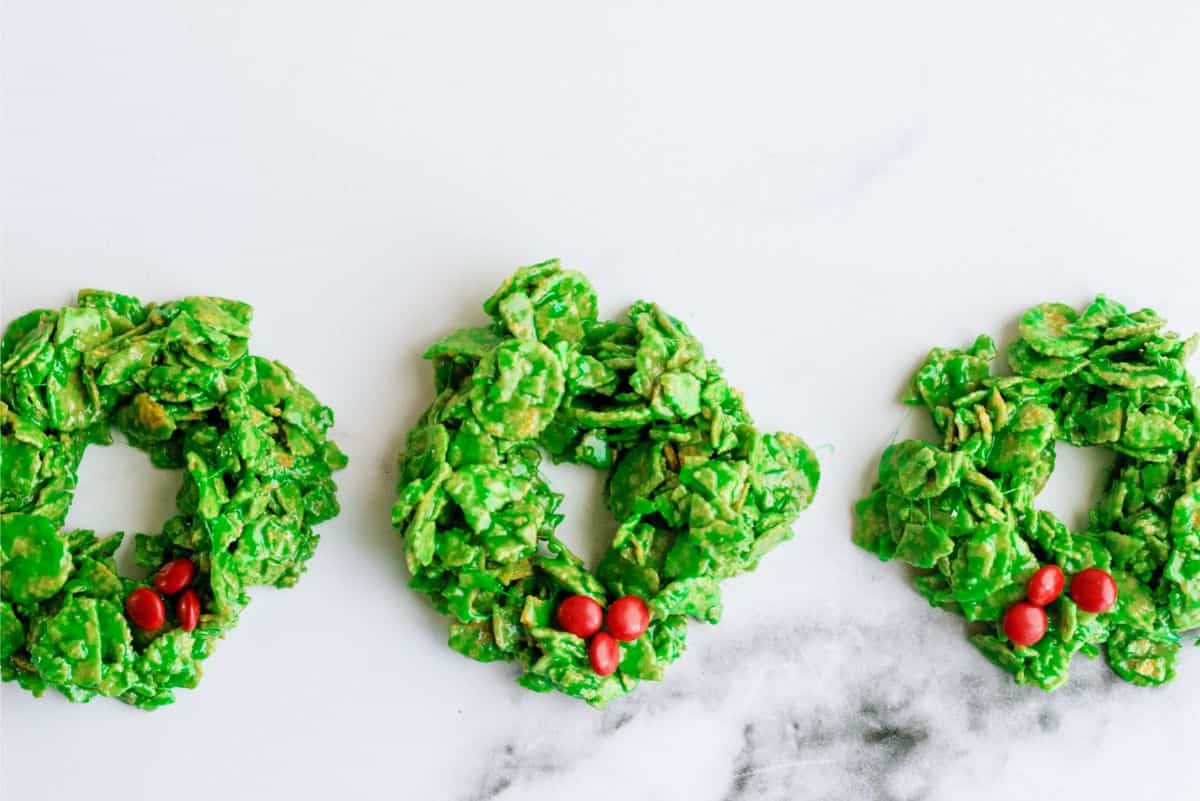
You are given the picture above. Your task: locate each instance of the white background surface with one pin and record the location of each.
(823, 191)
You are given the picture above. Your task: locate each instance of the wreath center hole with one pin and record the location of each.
(588, 526)
(1078, 481)
(120, 490)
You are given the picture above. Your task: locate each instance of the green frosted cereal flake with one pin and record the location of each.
(698, 494)
(178, 381)
(963, 510)
(1053, 329)
(516, 389)
(35, 561)
(12, 631)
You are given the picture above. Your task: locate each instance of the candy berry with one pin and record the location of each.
(174, 576)
(1045, 585)
(187, 609)
(145, 608)
(1024, 623)
(604, 652)
(1093, 590)
(628, 618)
(580, 615)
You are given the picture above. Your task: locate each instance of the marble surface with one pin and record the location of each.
(824, 191)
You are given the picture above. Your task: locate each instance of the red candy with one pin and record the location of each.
(580, 615)
(174, 576)
(1024, 623)
(1045, 585)
(628, 618)
(1093, 590)
(145, 608)
(604, 652)
(187, 610)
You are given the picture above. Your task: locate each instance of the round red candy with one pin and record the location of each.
(187, 609)
(1093, 590)
(628, 618)
(1045, 585)
(146, 609)
(1025, 624)
(604, 652)
(174, 576)
(580, 615)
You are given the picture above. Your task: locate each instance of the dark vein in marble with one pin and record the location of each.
(857, 714)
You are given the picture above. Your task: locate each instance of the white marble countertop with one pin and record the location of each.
(823, 191)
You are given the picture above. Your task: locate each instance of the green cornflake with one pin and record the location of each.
(178, 381)
(516, 389)
(963, 509)
(698, 494)
(34, 561)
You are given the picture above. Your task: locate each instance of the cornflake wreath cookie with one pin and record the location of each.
(178, 382)
(965, 512)
(698, 493)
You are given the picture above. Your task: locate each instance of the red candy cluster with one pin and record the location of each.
(583, 616)
(1092, 590)
(146, 608)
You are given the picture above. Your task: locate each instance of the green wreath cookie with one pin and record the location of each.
(964, 511)
(698, 493)
(178, 382)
